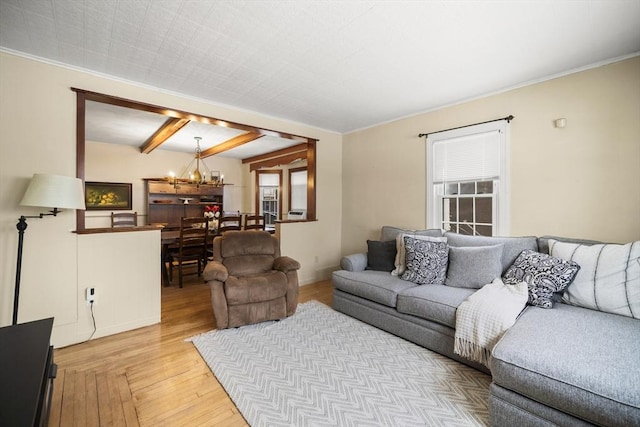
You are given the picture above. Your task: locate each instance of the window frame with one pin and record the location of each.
(290, 192)
(258, 200)
(501, 199)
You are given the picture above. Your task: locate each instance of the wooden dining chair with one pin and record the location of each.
(191, 247)
(229, 221)
(124, 219)
(254, 222)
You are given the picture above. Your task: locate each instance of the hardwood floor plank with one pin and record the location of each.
(117, 411)
(128, 407)
(80, 400)
(151, 376)
(56, 399)
(68, 396)
(104, 401)
(91, 395)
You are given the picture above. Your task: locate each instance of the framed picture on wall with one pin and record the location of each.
(107, 196)
(215, 177)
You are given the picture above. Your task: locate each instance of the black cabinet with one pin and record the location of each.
(26, 373)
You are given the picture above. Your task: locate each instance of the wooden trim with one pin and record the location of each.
(291, 221)
(83, 95)
(136, 105)
(166, 131)
(105, 230)
(257, 191)
(288, 150)
(80, 151)
(291, 171)
(277, 161)
(229, 144)
(311, 180)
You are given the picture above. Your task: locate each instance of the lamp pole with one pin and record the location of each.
(21, 226)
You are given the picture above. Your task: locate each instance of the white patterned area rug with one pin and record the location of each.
(320, 367)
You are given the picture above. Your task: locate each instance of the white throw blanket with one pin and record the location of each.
(485, 316)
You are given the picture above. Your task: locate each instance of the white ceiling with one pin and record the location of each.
(127, 126)
(336, 65)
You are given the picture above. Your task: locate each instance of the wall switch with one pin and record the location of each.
(91, 294)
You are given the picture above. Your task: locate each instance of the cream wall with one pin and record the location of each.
(580, 181)
(37, 128)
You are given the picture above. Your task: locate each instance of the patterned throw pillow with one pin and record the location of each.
(543, 274)
(426, 261)
(400, 261)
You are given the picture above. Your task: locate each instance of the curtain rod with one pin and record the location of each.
(508, 119)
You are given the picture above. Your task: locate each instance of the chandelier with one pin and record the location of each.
(194, 175)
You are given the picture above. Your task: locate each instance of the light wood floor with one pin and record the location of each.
(150, 376)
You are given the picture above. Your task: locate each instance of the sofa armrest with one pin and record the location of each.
(285, 264)
(354, 262)
(215, 271)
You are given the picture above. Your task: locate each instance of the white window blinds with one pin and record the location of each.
(468, 157)
(269, 179)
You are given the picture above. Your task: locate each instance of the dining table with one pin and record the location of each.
(169, 238)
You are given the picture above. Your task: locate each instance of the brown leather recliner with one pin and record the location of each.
(250, 282)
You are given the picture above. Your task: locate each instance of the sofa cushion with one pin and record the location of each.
(437, 303)
(257, 288)
(544, 275)
(377, 286)
(381, 255)
(474, 266)
(390, 233)
(512, 245)
(426, 262)
(578, 361)
(609, 276)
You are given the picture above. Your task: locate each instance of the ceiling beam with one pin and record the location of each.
(281, 160)
(282, 152)
(166, 131)
(229, 144)
(141, 106)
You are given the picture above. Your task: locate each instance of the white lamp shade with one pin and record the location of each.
(54, 191)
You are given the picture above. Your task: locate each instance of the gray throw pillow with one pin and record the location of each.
(544, 275)
(474, 266)
(426, 261)
(381, 255)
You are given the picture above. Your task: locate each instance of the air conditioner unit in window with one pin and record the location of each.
(297, 214)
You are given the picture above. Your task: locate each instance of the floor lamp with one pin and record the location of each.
(46, 191)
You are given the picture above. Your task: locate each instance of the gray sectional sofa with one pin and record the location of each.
(567, 366)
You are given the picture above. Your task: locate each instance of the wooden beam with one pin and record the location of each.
(282, 160)
(141, 106)
(288, 150)
(80, 151)
(311, 180)
(230, 144)
(166, 131)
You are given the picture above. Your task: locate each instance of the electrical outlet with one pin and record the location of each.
(91, 294)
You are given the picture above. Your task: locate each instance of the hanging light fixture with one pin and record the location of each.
(195, 176)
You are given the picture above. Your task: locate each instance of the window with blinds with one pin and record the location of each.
(467, 179)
